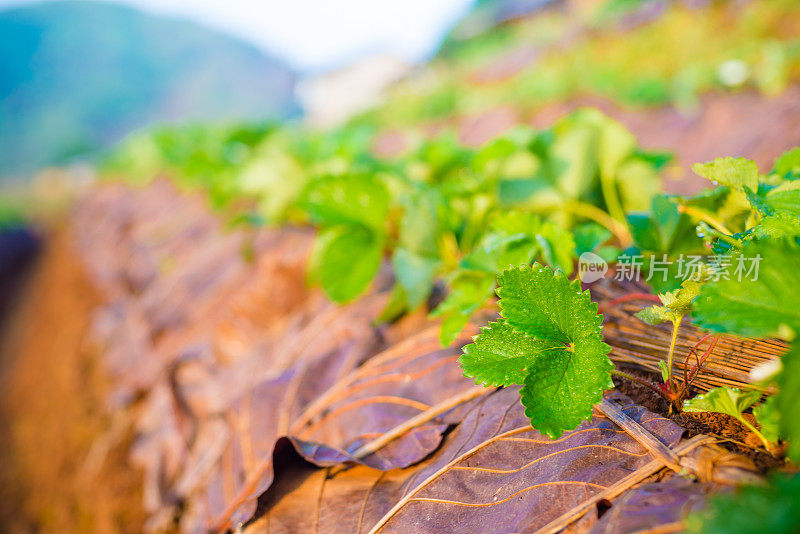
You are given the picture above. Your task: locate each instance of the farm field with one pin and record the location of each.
(547, 284)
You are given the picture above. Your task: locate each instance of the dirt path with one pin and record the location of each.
(52, 413)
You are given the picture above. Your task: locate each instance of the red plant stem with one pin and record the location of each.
(697, 367)
(627, 298)
(693, 350)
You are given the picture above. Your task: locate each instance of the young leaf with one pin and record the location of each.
(568, 378)
(662, 365)
(676, 304)
(730, 401)
(727, 400)
(737, 173)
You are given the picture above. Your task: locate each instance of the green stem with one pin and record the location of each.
(619, 229)
(751, 428)
(613, 203)
(675, 325)
(704, 216)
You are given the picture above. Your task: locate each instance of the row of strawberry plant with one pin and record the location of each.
(516, 213)
(446, 212)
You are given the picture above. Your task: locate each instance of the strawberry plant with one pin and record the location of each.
(550, 341)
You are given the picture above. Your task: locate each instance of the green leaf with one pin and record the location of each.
(676, 304)
(534, 300)
(787, 165)
(788, 401)
(737, 173)
(422, 221)
(761, 307)
(681, 299)
(568, 378)
(415, 274)
(469, 290)
(656, 315)
(451, 327)
(773, 508)
(564, 383)
(727, 400)
(500, 355)
(785, 197)
(557, 246)
(348, 199)
(767, 417)
(344, 261)
(781, 225)
(589, 237)
(665, 229)
(639, 183)
(395, 307)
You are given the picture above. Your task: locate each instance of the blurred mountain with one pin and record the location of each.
(76, 76)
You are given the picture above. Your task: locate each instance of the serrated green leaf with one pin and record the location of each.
(535, 300)
(676, 304)
(761, 307)
(562, 386)
(655, 315)
(737, 173)
(344, 261)
(781, 225)
(681, 299)
(568, 378)
(785, 197)
(500, 355)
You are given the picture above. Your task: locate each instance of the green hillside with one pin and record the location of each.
(77, 76)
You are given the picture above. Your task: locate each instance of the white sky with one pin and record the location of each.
(320, 34)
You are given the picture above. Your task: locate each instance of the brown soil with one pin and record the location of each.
(52, 414)
(732, 434)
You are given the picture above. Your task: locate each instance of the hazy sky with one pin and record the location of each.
(320, 34)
